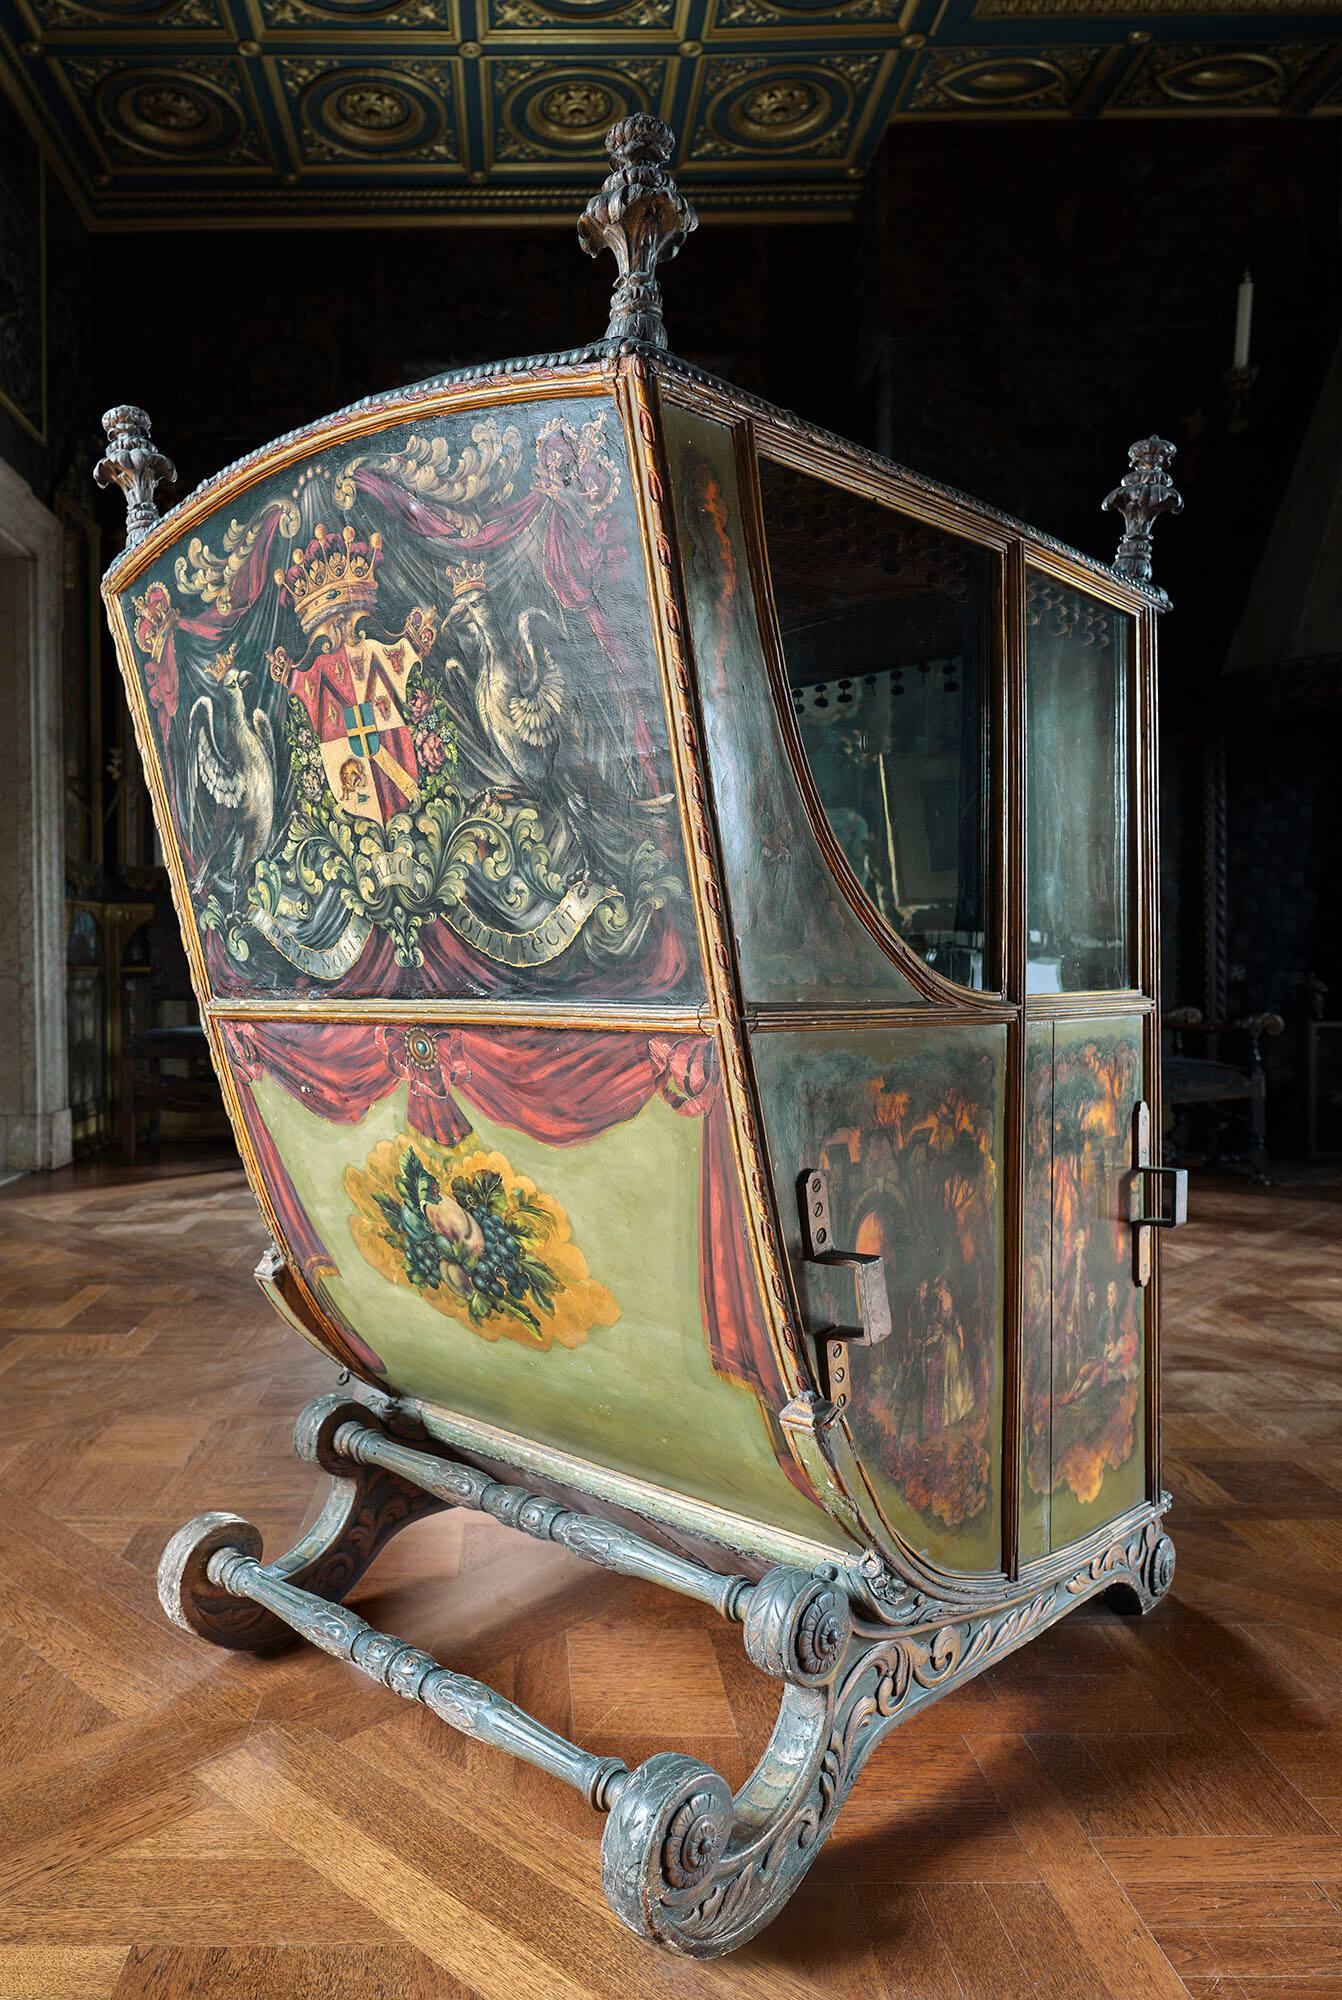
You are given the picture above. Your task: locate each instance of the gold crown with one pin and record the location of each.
(331, 575)
(222, 663)
(466, 576)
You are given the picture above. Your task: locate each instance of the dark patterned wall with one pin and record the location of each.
(42, 344)
(259, 332)
(1046, 293)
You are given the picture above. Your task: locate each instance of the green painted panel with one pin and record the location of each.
(908, 1124)
(797, 937)
(624, 1376)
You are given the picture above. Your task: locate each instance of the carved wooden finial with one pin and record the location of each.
(135, 464)
(1145, 492)
(641, 216)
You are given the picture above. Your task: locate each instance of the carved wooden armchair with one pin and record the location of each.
(1209, 1078)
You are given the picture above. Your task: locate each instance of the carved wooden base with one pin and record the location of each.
(685, 1863)
(364, 1508)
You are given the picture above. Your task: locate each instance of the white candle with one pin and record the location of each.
(1243, 321)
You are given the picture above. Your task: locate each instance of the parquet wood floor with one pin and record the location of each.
(1141, 1809)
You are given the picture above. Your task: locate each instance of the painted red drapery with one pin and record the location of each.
(563, 1087)
(451, 967)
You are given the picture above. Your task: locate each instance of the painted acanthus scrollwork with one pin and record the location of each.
(461, 482)
(133, 462)
(201, 573)
(1143, 494)
(641, 217)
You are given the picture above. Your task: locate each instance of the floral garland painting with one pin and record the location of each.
(476, 1241)
(410, 721)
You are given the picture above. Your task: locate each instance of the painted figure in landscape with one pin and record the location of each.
(918, 1178)
(1081, 1414)
(411, 724)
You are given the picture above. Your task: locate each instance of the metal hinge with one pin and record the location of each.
(1173, 1178)
(873, 1297)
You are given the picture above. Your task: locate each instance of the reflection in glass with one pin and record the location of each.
(1077, 774)
(886, 641)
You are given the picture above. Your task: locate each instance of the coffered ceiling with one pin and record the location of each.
(161, 112)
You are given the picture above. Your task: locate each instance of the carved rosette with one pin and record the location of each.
(1143, 494)
(798, 1626)
(641, 216)
(133, 462)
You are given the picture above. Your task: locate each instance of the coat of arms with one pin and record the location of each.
(422, 711)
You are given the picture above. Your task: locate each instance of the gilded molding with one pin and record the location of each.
(988, 78)
(771, 107)
(1213, 76)
(646, 456)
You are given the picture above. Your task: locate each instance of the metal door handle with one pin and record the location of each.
(1171, 1216)
(873, 1296)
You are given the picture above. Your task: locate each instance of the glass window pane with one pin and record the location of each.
(886, 628)
(1077, 899)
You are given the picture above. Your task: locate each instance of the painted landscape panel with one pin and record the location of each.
(909, 1128)
(1083, 1403)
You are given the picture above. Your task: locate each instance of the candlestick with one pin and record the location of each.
(1243, 322)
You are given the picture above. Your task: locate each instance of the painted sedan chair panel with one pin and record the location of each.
(877, 688)
(405, 715)
(599, 806)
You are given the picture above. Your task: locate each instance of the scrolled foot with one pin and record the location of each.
(184, 1587)
(668, 1829)
(365, 1506)
(1149, 1581)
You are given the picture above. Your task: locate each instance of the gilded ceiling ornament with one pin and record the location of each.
(163, 107)
(657, 15)
(1176, 76)
(1001, 79)
(169, 112)
(763, 104)
(545, 110)
(169, 14)
(397, 14)
(390, 115)
(374, 107)
(580, 106)
(781, 13)
(640, 216)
